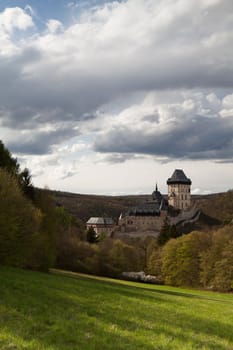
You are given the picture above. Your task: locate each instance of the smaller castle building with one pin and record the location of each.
(179, 193)
(101, 225)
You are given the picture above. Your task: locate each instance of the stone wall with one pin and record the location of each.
(179, 196)
(141, 223)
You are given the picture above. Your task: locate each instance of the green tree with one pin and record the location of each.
(92, 236)
(167, 231)
(223, 270)
(144, 247)
(170, 262)
(7, 162)
(181, 259)
(123, 257)
(25, 182)
(46, 253)
(173, 233)
(154, 264)
(216, 260)
(19, 223)
(69, 234)
(12, 166)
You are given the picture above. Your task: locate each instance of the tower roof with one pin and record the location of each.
(149, 208)
(179, 177)
(156, 195)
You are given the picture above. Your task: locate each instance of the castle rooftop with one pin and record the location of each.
(179, 177)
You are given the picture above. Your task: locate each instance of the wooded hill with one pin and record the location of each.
(214, 206)
(84, 206)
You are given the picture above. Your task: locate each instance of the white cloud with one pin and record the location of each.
(190, 128)
(225, 113)
(12, 19)
(29, 9)
(228, 101)
(227, 105)
(54, 26)
(15, 18)
(135, 70)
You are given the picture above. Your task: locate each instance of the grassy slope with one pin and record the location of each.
(39, 311)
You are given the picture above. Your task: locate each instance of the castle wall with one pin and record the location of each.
(141, 223)
(179, 196)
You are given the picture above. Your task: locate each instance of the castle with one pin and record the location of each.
(147, 218)
(150, 215)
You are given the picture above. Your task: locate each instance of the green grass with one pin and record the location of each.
(52, 311)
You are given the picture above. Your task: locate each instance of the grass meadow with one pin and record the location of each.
(59, 311)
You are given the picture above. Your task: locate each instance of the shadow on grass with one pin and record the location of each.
(60, 313)
(152, 288)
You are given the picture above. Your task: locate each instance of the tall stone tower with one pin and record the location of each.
(179, 195)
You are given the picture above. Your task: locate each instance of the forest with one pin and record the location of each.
(38, 234)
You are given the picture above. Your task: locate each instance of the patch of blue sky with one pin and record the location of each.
(65, 11)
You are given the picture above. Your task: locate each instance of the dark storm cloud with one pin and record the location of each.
(41, 142)
(119, 157)
(66, 77)
(151, 118)
(196, 138)
(30, 102)
(178, 54)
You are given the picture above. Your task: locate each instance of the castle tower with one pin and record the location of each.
(179, 185)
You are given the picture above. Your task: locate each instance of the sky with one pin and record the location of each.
(109, 97)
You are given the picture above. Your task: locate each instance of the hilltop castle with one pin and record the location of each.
(150, 215)
(147, 218)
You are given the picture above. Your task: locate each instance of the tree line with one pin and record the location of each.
(29, 220)
(197, 260)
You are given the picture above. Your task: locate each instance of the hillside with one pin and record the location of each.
(84, 205)
(58, 312)
(216, 208)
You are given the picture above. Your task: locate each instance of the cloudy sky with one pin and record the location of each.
(109, 97)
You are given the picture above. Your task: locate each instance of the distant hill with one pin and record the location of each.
(216, 208)
(84, 206)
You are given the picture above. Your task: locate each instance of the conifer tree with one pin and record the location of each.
(92, 236)
(164, 233)
(11, 165)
